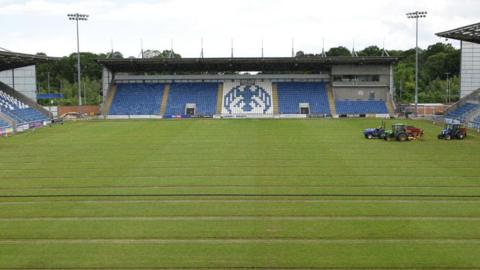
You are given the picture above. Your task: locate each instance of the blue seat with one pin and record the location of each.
(463, 111)
(360, 107)
(203, 95)
(291, 94)
(137, 99)
(18, 111)
(28, 115)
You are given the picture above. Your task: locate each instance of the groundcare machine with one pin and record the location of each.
(375, 133)
(453, 131)
(402, 133)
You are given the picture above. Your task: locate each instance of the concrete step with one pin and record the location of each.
(390, 107)
(275, 98)
(108, 102)
(331, 101)
(219, 98)
(163, 105)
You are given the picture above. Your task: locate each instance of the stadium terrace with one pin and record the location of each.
(248, 87)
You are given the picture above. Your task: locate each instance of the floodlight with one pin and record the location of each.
(78, 17)
(416, 15)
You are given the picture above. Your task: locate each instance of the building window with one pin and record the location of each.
(356, 78)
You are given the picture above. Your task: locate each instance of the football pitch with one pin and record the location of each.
(238, 194)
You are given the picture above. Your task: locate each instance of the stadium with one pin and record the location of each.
(238, 163)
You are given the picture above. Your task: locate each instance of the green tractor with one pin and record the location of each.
(402, 133)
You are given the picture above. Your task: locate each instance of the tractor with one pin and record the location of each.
(401, 133)
(375, 133)
(453, 131)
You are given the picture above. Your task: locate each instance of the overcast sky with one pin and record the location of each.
(42, 26)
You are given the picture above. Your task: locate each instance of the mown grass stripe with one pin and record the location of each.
(259, 218)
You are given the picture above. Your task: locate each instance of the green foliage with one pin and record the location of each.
(434, 64)
(371, 51)
(160, 54)
(91, 93)
(338, 51)
(63, 78)
(114, 55)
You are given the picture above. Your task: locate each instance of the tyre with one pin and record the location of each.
(448, 137)
(440, 137)
(461, 136)
(369, 136)
(402, 137)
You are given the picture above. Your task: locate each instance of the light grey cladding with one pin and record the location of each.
(23, 80)
(470, 77)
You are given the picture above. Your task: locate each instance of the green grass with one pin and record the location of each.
(237, 194)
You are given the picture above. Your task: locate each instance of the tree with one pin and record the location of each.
(300, 54)
(160, 54)
(439, 48)
(437, 60)
(435, 66)
(114, 55)
(338, 51)
(370, 51)
(151, 53)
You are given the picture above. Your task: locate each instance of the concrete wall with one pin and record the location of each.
(470, 72)
(52, 109)
(88, 109)
(362, 93)
(361, 70)
(23, 80)
(427, 109)
(360, 89)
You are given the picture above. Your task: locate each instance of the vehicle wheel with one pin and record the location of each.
(402, 137)
(461, 136)
(448, 137)
(369, 136)
(440, 137)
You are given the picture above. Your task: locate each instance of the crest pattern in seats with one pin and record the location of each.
(247, 99)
